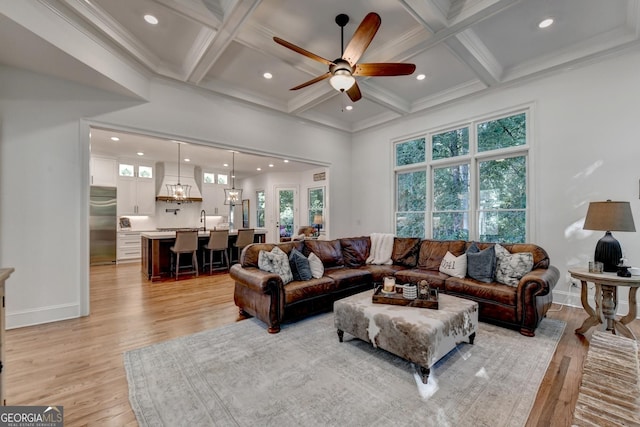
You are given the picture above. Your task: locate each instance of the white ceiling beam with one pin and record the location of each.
(183, 8)
(375, 93)
(228, 30)
(469, 48)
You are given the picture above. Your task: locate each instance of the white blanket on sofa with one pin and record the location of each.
(381, 248)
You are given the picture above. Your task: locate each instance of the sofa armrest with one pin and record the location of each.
(534, 297)
(540, 281)
(255, 279)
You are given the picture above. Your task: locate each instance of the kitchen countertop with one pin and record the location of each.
(201, 233)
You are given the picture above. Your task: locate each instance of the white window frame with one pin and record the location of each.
(473, 158)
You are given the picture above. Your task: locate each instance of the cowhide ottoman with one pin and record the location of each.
(421, 335)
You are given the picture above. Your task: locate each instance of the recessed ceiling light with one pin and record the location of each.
(151, 19)
(187, 160)
(420, 77)
(545, 23)
(286, 161)
(115, 138)
(270, 165)
(267, 75)
(349, 107)
(140, 153)
(226, 165)
(258, 169)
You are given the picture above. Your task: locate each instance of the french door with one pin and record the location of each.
(286, 212)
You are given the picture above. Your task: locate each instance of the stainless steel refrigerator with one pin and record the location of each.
(102, 225)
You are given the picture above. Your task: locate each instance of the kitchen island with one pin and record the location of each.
(156, 255)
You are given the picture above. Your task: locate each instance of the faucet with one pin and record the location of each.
(203, 218)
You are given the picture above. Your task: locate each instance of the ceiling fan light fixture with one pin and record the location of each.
(342, 80)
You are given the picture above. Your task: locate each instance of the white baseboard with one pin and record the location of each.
(572, 299)
(54, 313)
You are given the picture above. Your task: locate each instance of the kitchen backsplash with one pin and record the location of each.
(188, 215)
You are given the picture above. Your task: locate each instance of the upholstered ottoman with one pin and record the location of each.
(420, 335)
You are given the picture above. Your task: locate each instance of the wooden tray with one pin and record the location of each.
(397, 299)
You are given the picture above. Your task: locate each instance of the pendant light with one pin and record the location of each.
(233, 195)
(179, 193)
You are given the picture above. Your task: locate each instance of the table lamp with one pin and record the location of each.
(317, 220)
(609, 216)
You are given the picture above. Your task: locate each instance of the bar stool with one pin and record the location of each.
(218, 242)
(245, 238)
(186, 242)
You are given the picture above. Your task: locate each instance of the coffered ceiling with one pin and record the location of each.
(462, 47)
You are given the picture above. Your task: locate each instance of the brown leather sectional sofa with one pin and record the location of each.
(262, 294)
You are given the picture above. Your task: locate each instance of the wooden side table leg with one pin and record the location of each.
(608, 306)
(630, 317)
(593, 318)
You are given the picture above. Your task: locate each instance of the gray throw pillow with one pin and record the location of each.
(299, 265)
(510, 268)
(276, 262)
(481, 264)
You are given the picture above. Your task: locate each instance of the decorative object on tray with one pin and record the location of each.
(380, 297)
(389, 285)
(410, 291)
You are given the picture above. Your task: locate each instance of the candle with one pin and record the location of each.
(389, 284)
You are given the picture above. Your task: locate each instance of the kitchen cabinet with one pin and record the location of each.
(103, 171)
(213, 199)
(129, 248)
(136, 189)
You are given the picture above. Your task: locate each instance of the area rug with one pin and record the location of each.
(239, 375)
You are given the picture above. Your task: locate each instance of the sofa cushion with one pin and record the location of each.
(540, 256)
(355, 250)
(276, 262)
(479, 291)
(300, 291)
(455, 266)
(481, 264)
(299, 265)
(348, 277)
(329, 251)
(405, 251)
(433, 251)
(434, 277)
(511, 267)
(379, 272)
(315, 264)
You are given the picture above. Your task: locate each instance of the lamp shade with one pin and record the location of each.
(317, 219)
(609, 216)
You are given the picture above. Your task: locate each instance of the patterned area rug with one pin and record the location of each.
(239, 375)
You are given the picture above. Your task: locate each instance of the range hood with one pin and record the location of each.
(167, 174)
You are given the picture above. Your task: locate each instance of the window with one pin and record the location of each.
(145, 171)
(125, 170)
(467, 182)
(260, 205)
(209, 178)
(316, 207)
(223, 179)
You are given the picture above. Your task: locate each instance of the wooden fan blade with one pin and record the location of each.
(384, 69)
(312, 81)
(361, 38)
(301, 51)
(354, 92)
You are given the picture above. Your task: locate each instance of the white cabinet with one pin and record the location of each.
(128, 246)
(136, 189)
(213, 199)
(103, 171)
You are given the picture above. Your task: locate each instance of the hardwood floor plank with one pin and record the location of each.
(78, 363)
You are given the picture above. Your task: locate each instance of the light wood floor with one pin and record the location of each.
(78, 363)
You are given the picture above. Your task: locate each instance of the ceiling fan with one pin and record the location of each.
(342, 70)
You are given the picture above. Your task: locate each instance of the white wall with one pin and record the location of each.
(585, 149)
(44, 174)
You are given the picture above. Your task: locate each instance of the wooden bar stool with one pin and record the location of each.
(186, 242)
(245, 238)
(218, 242)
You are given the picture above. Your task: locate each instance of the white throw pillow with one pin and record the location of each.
(317, 269)
(455, 266)
(277, 262)
(510, 268)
